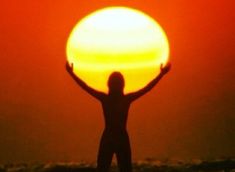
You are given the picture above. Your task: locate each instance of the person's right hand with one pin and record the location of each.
(69, 67)
(166, 68)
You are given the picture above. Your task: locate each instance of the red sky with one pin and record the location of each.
(45, 116)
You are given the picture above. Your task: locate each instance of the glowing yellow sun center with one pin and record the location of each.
(117, 39)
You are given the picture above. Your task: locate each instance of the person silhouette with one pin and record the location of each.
(115, 104)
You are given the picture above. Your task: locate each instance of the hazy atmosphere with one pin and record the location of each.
(46, 117)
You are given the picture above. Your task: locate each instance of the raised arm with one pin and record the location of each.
(147, 88)
(91, 91)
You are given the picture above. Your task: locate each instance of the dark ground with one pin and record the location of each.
(149, 165)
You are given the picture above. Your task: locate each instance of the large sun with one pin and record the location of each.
(117, 39)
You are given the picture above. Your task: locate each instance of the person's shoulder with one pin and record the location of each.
(102, 96)
(128, 97)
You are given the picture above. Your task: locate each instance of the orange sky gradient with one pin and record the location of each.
(46, 117)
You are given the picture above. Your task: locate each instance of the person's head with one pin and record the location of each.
(116, 82)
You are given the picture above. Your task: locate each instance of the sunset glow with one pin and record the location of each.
(117, 39)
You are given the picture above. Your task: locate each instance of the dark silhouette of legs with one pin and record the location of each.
(105, 154)
(114, 143)
(123, 154)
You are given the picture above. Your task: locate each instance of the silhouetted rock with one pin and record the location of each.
(2, 169)
(69, 168)
(225, 165)
(148, 165)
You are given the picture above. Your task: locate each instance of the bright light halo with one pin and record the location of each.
(117, 39)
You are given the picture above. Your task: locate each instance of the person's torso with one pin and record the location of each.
(115, 111)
